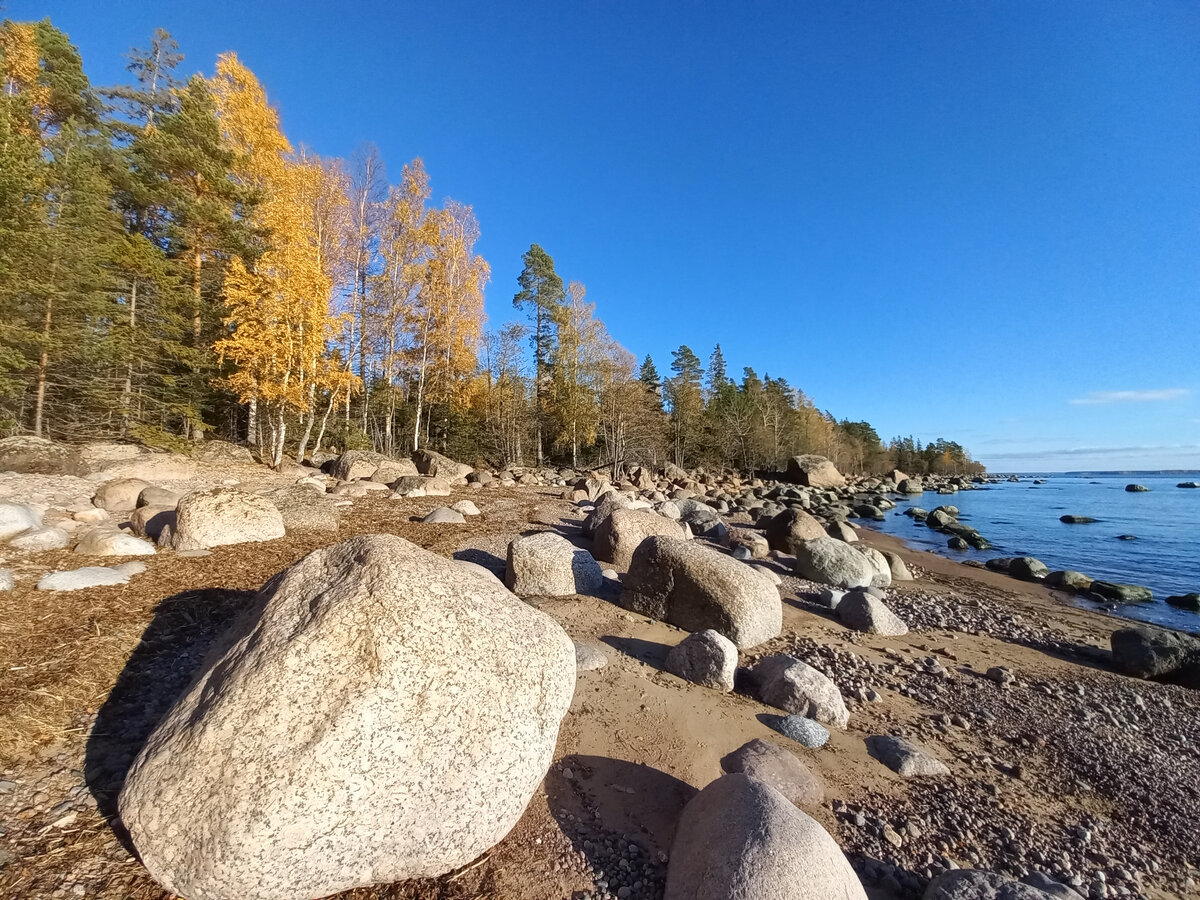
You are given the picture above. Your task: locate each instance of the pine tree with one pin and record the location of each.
(716, 372)
(648, 376)
(686, 401)
(541, 295)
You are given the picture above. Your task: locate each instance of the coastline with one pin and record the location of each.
(1065, 748)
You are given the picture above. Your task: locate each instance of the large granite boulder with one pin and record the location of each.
(741, 838)
(27, 455)
(355, 464)
(976, 884)
(623, 532)
(120, 494)
(107, 541)
(1157, 653)
(221, 516)
(706, 658)
(695, 587)
(548, 565)
(17, 518)
(829, 561)
(814, 471)
(606, 505)
(785, 531)
(429, 462)
(860, 611)
(794, 686)
(778, 767)
(421, 710)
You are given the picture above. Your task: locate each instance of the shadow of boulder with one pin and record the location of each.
(172, 652)
(649, 652)
(620, 815)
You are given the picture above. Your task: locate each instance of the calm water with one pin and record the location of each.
(1022, 520)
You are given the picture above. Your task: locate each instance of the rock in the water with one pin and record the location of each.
(623, 531)
(120, 494)
(862, 612)
(1068, 579)
(101, 541)
(1027, 568)
(695, 587)
(548, 565)
(430, 463)
(1121, 593)
(1157, 653)
(911, 486)
(706, 658)
(1136, 489)
(976, 884)
(833, 562)
(741, 838)
(1185, 601)
(444, 515)
(801, 729)
(813, 471)
(221, 516)
(787, 683)
(904, 757)
(422, 708)
(90, 576)
(778, 767)
(786, 530)
(27, 455)
(1076, 520)
(17, 518)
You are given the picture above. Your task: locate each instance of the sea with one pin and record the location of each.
(1022, 519)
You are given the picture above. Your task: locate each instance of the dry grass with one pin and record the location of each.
(85, 675)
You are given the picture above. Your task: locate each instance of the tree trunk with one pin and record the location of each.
(43, 368)
(324, 420)
(127, 388)
(312, 415)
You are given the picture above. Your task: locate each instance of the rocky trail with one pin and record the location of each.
(955, 732)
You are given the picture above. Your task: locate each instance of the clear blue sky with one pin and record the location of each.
(971, 220)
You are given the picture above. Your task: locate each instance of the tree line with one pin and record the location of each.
(172, 267)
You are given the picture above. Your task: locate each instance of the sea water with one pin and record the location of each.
(1022, 519)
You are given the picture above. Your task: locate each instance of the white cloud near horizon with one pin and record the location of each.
(1096, 398)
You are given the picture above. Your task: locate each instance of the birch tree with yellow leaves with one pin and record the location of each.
(279, 314)
(447, 324)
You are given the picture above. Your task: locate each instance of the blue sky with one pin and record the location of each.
(971, 220)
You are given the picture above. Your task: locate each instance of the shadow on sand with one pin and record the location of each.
(613, 810)
(171, 653)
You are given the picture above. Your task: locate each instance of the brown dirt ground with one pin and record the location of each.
(638, 742)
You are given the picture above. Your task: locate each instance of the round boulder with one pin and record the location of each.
(706, 658)
(695, 587)
(740, 837)
(787, 683)
(786, 530)
(421, 714)
(622, 532)
(548, 565)
(833, 562)
(221, 516)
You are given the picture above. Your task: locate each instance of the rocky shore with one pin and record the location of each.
(751, 677)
